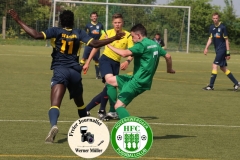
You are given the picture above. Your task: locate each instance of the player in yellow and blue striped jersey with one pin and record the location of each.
(219, 36)
(65, 41)
(110, 65)
(94, 30)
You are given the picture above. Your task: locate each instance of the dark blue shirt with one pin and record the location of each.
(94, 30)
(65, 43)
(218, 35)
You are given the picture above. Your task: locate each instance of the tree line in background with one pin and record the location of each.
(37, 13)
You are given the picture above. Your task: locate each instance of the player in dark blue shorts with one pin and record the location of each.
(66, 69)
(109, 65)
(219, 37)
(94, 30)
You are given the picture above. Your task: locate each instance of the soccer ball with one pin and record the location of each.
(119, 137)
(143, 137)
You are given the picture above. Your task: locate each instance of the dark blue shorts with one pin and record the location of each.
(87, 51)
(108, 66)
(220, 59)
(71, 78)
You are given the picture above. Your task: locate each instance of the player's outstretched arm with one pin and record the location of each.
(121, 52)
(103, 42)
(32, 32)
(92, 54)
(168, 59)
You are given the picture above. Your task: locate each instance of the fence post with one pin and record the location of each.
(165, 38)
(4, 27)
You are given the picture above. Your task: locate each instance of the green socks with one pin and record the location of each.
(112, 96)
(122, 112)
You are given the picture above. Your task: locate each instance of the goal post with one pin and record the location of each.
(155, 17)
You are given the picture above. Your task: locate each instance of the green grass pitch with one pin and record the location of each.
(187, 122)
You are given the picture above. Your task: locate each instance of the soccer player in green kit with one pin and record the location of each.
(146, 55)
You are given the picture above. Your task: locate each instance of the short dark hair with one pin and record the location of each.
(117, 15)
(216, 14)
(139, 28)
(93, 13)
(158, 34)
(67, 18)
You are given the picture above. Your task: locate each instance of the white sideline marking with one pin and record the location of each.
(42, 55)
(188, 61)
(162, 124)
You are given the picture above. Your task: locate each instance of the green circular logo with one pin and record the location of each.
(131, 137)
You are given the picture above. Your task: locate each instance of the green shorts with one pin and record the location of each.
(128, 88)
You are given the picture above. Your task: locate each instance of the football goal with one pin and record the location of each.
(171, 22)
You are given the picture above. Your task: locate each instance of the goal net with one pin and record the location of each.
(172, 22)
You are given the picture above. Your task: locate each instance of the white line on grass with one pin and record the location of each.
(162, 124)
(186, 61)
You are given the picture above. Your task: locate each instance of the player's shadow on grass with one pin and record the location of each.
(63, 140)
(149, 117)
(233, 90)
(171, 137)
(226, 90)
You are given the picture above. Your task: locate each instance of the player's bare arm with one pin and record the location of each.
(228, 48)
(32, 32)
(103, 42)
(227, 44)
(124, 65)
(207, 45)
(92, 54)
(168, 59)
(121, 52)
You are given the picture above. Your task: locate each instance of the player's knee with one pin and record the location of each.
(214, 66)
(116, 107)
(111, 80)
(224, 69)
(118, 104)
(108, 80)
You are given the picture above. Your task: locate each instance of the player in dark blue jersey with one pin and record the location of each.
(94, 30)
(219, 37)
(66, 70)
